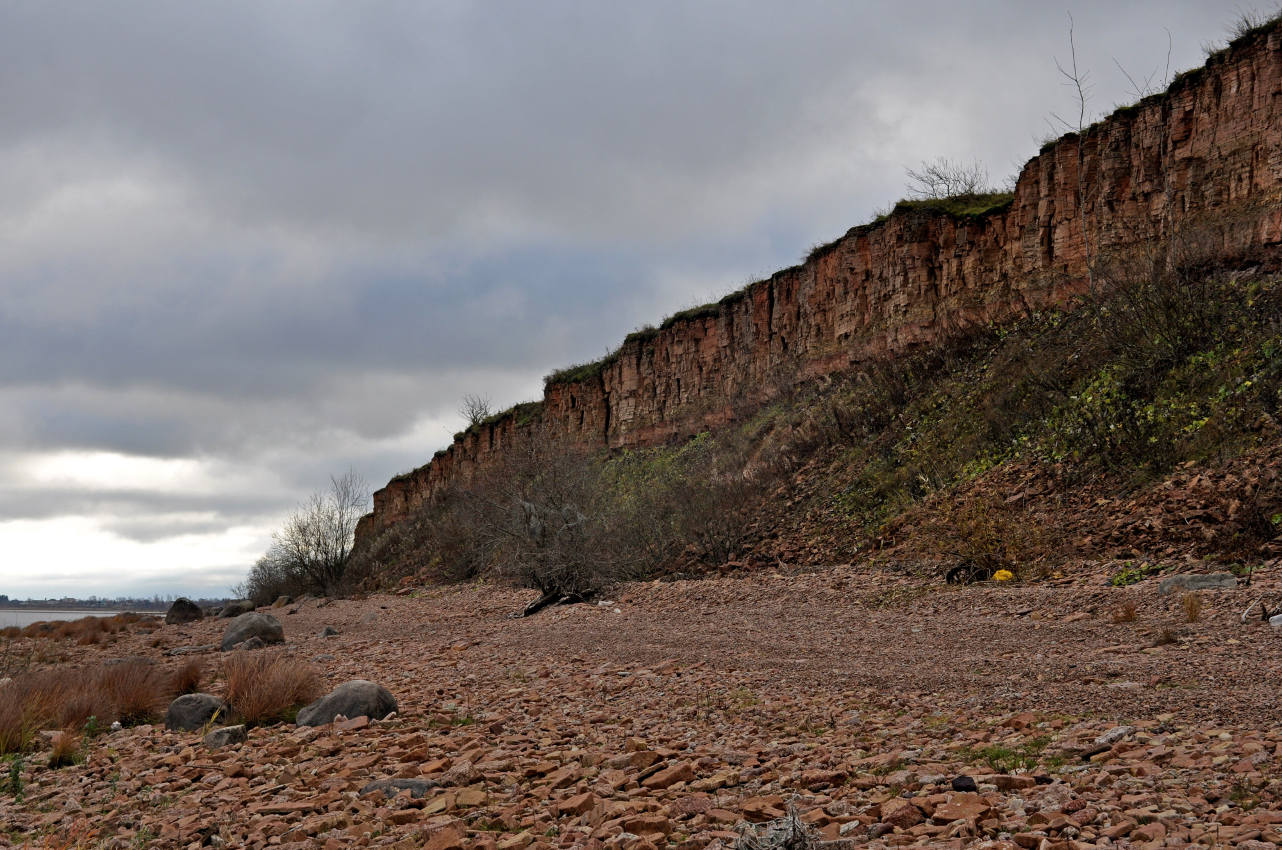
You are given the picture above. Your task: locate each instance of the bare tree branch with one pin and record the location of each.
(475, 409)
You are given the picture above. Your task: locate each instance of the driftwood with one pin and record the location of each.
(1265, 612)
(552, 597)
(787, 833)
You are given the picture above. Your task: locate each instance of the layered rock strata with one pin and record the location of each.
(1206, 153)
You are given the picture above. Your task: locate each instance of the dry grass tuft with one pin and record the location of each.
(131, 691)
(1192, 605)
(65, 748)
(86, 630)
(265, 687)
(187, 677)
(1126, 612)
(137, 689)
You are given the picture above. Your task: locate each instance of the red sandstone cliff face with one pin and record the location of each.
(1211, 146)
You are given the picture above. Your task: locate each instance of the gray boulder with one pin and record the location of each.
(236, 607)
(357, 698)
(192, 711)
(391, 787)
(1198, 581)
(182, 611)
(226, 736)
(265, 627)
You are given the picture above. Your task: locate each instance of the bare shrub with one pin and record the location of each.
(944, 178)
(1160, 300)
(475, 409)
(265, 687)
(984, 534)
(552, 515)
(310, 553)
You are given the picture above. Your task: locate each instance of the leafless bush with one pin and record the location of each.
(1161, 299)
(475, 409)
(551, 515)
(264, 687)
(983, 534)
(311, 552)
(944, 178)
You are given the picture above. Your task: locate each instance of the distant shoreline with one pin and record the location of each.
(44, 609)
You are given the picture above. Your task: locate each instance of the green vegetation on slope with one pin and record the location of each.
(1173, 364)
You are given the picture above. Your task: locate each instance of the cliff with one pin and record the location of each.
(1210, 147)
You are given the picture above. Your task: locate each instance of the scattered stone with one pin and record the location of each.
(964, 783)
(900, 813)
(683, 772)
(183, 610)
(352, 699)
(226, 737)
(263, 626)
(961, 806)
(191, 712)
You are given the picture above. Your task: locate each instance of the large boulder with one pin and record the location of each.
(182, 611)
(192, 711)
(265, 627)
(236, 607)
(357, 698)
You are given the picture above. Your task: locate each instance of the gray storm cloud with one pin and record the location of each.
(289, 237)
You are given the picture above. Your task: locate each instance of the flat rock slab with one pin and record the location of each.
(192, 650)
(1198, 581)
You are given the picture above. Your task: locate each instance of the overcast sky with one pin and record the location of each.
(246, 245)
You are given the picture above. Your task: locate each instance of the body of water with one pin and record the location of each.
(25, 616)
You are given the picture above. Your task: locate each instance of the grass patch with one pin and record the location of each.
(1007, 759)
(266, 687)
(86, 699)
